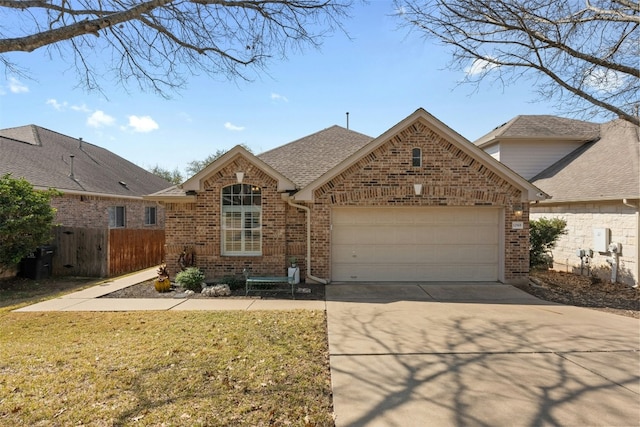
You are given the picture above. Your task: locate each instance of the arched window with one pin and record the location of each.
(241, 220)
(416, 157)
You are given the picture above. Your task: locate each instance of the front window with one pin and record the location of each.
(150, 215)
(241, 220)
(116, 217)
(416, 157)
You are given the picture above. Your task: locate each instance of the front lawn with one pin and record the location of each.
(164, 368)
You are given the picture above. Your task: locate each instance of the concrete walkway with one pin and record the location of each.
(445, 354)
(89, 300)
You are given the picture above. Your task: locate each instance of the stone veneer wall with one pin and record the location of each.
(385, 177)
(92, 211)
(581, 219)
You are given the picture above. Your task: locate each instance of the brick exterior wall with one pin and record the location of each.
(581, 219)
(198, 226)
(92, 211)
(384, 177)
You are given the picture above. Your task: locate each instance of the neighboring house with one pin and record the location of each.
(101, 190)
(417, 203)
(591, 173)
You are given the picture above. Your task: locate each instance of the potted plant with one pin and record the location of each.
(162, 282)
(293, 261)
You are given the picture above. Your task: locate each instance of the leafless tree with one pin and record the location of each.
(584, 54)
(158, 43)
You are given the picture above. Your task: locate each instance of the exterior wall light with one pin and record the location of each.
(517, 210)
(239, 177)
(417, 189)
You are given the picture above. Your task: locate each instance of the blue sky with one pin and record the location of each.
(380, 76)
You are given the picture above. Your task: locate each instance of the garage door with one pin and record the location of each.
(415, 244)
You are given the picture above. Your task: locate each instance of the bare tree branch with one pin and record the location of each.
(582, 53)
(158, 42)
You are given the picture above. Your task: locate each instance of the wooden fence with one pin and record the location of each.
(93, 252)
(131, 250)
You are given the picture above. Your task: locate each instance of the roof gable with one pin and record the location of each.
(541, 127)
(605, 169)
(529, 192)
(44, 158)
(306, 159)
(196, 182)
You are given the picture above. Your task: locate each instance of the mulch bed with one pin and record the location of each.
(146, 289)
(582, 291)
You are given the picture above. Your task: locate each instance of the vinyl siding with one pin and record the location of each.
(529, 158)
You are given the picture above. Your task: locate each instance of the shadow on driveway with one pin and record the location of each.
(487, 354)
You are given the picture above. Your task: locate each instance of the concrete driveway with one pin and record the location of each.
(477, 354)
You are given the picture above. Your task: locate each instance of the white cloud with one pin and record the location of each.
(100, 118)
(232, 127)
(82, 108)
(57, 105)
(278, 97)
(15, 86)
(480, 66)
(142, 124)
(605, 80)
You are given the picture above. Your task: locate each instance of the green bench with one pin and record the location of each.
(266, 284)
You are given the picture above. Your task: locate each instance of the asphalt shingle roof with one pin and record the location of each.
(306, 159)
(604, 169)
(42, 157)
(542, 127)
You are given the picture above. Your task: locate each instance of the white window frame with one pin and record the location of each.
(148, 218)
(241, 216)
(117, 217)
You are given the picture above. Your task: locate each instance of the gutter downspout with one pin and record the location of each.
(308, 263)
(626, 203)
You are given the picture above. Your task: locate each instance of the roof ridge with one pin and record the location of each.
(311, 135)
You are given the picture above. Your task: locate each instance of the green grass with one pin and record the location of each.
(164, 368)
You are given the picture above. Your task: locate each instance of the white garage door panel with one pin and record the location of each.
(423, 254)
(415, 244)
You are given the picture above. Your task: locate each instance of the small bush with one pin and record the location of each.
(544, 234)
(191, 279)
(234, 282)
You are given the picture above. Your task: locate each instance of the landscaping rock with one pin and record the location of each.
(216, 291)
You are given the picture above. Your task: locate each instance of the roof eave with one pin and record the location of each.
(171, 199)
(90, 193)
(529, 191)
(559, 201)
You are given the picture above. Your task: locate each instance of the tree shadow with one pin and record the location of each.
(491, 369)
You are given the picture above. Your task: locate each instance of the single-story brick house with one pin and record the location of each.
(591, 171)
(417, 203)
(100, 191)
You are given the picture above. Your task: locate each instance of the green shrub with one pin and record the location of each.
(26, 218)
(544, 234)
(191, 279)
(234, 282)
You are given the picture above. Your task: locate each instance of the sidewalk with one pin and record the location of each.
(89, 300)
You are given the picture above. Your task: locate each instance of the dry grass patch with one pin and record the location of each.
(18, 291)
(164, 368)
